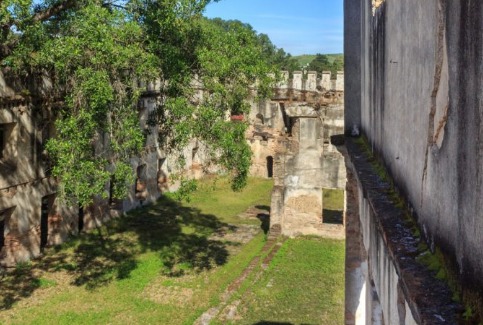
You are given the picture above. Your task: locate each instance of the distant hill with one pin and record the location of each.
(304, 59)
(307, 58)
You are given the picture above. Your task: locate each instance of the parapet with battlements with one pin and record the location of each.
(312, 81)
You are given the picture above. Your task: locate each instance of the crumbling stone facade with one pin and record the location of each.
(281, 137)
(290, 137)
(31, 215)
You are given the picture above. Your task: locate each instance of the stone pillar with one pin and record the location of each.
(297, 80)
(302, 212)
(311, 84)
(339, 84)
(325, 81)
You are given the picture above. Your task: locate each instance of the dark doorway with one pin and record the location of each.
(2, 231)
(45, 208)
(5, 216)
(270, 166)
(80, 226)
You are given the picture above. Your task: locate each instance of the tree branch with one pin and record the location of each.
(54, 10)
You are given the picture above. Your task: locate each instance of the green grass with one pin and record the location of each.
(304, 284)
(214, 197)
(333, 199)
(304, 59)
(157, 265)
(333, 202)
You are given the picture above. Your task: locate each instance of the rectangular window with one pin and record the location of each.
(47, 209)
(2, 229)
(4, 217)
(141, 178)
(7, 144)
(2, 140)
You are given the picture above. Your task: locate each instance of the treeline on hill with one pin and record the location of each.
(318, 63)
(327, 62)
(94, 52)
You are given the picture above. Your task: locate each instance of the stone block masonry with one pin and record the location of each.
(290, 137)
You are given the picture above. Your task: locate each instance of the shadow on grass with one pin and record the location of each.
(180, 235)
(275, 323)
(333, 216)
(264, 217)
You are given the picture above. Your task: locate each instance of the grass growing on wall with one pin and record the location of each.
(158, 265)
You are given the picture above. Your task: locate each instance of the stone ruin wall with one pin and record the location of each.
(290, 137)
(27, 192)
(31, 214)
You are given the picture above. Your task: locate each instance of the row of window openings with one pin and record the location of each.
(46, 209)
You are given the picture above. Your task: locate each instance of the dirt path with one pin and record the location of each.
(226, 309)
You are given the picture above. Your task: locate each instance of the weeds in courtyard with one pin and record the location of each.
(168, 263)
(161, 264)
(304, 284)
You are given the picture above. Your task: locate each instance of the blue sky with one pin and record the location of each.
(299, 27)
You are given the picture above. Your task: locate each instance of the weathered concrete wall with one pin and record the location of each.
(386, 281)
(415, 89)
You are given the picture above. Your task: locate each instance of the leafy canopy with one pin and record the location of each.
(94, 52)
(324, 62)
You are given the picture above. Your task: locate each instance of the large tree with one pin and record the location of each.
(94, 50)
(324, 62)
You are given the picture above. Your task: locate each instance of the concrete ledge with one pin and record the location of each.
(407, 291)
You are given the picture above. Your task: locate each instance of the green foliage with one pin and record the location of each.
(314, 294)
(186, 188)
(324, 62)
(96, 51)
(277, 56)
(97, 59)
(304, 59)
(228, 60)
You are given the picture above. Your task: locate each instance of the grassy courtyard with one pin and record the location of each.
(170, 262)
(304, 284)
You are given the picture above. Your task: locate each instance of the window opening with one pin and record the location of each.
(333, 206)
(269, 166)
(45, 208)
(141, 182)
(3, 217)
(2, 141)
